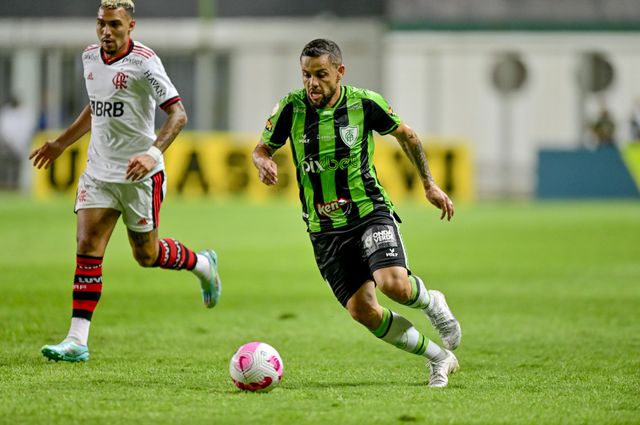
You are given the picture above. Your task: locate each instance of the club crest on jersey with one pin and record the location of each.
(349, 135)
(120, 81)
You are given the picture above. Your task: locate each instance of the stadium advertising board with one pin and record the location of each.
(219, 165)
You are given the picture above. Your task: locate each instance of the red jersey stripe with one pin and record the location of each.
(145, 49)
(141, 53)
(170, 102)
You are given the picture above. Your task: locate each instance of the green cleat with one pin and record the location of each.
(212, 287)
(67, 351)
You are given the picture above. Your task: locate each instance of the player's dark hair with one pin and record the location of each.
(322, 46)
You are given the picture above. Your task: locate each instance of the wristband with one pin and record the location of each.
(154, 153)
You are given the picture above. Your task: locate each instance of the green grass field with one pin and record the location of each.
(548, 296)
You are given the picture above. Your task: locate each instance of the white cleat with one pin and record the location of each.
(440, 371)
(443, 320)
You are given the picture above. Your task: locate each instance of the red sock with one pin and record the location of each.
(87, 285)
(174, 255)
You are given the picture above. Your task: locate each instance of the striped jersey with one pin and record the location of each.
(333, 154)
(123, 94)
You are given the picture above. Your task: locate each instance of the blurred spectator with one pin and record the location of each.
(16, 129)
(635, 121)
(603, 129)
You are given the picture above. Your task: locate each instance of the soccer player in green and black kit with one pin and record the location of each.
(350, 219)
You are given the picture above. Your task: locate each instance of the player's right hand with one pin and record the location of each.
(46, 154)
(268, 171)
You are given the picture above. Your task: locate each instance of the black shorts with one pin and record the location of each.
(348, 259)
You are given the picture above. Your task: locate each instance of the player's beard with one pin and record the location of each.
(324, 100)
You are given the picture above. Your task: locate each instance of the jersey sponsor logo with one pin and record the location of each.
(390, 111)
(380, 237)
(326, 137)
(315, 166)
(269, 125)
(349, 135)
(120, 81)
(131, 60)
(92, 57)
(304, 139)
(155, 85)
(329, 207)
(107, 109)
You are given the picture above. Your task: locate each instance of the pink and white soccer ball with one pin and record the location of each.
(256, 366)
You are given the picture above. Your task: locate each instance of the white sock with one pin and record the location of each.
(79, 330)
(202, 269)
(398, 331)
(419, 293)
(434, 352)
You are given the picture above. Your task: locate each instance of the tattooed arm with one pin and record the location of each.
(140, 165)
(412, 147)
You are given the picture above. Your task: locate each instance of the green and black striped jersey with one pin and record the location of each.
(333, 154)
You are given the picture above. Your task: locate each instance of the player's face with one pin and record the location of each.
(113, 27)
(321, 80)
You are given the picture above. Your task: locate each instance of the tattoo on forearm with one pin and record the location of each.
(170, 129)
(413, 149)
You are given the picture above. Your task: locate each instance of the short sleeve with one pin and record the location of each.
(381, 117)
(278, 126)
(160, 86)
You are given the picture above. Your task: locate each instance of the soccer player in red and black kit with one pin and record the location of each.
(124, 176)
(351, 221)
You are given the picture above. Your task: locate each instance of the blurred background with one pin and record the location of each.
(515, 99)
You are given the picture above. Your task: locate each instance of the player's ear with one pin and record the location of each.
(341, 70)
(132, 25)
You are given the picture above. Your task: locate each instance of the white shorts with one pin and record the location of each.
(139, 202)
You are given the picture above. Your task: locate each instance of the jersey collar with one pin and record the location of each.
(109, 61)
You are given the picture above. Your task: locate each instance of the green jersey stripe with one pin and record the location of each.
(314, 194)
(343, 154)
(356, 178)
(297, 127)
(367, 168)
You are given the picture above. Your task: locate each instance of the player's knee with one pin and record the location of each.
(87, 245)
(396, 286)
(366, 315)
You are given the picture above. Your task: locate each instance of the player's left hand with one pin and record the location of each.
(139, 166)
(437, 197)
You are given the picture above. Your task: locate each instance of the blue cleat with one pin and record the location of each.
(211, 287)
(67, 351)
